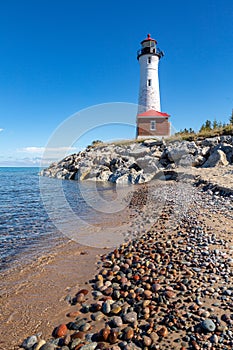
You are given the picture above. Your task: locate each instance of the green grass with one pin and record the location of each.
(226, 130)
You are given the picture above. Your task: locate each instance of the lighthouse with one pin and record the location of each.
(150, 120)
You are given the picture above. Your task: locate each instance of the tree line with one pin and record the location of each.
(210, 125)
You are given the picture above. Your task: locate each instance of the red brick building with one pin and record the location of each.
(153, 123)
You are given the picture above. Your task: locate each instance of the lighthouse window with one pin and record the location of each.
(149, 60)
(152, 125)
(149, 82)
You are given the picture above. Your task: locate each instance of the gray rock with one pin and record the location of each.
(216, 159)
(140, 162)
(213, 141)
(187, 160)
(148, 164)
(227, 149)
(130, 317)
(75, 342)
(205, 151)
(29, 342)
(192, 147)
(214, 339)
(121, 180)
(90, 346)
(104, 176)
(97, 316)
(106, 307)
(157, 154)
(153, 142)
(117, 321)
(48, 346)
(208, 325)
(139, 151)
(176, 152)
(226, 139)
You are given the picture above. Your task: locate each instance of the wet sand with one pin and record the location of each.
(33, 299)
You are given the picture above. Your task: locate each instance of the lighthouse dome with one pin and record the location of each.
(149, 46)
(148, 42)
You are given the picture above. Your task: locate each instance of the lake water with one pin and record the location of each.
(26, 227)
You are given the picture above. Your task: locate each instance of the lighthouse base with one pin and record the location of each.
(153, 124)
(152, 137)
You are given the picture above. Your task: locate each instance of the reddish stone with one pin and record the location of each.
(104, 298)
(73, 314)
(162, 332)
(61, 331)
(124, 280)
(83, 291)
(112, 338)
(195, 345)
(129, 333)
(169, 294)
(78, 335)
(136, 278)
(104, 334)
(96, 307)
(147, 294)
(108, 291)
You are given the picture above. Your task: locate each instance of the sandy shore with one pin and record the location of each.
(222, 177)
(34, 300)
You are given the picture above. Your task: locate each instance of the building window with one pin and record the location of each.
(149, 82)
(149, 60)
(152, 125)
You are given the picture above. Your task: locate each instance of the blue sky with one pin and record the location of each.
(59, 57)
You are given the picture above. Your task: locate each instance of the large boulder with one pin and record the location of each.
(153, 142)
(123, 180)
(117, 174)
(176, 151)
(122, 150)
(217, 158)
(192, 147)
(61, 174)
(157, 153)
(104, 176)
(148, 164)
(189, 160)
(211, 142)
(226, 139)
(141, 178)
(139, 151)
(205, 151)
(227, 149)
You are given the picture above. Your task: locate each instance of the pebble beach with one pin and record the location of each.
(168, 286)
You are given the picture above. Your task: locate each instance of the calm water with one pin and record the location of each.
(25, 227)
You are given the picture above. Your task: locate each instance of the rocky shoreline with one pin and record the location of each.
(169, 288)
(140, 162)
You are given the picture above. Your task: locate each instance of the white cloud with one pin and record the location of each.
(31, 150)
(26, 161)
(1, 129)
(41, 150)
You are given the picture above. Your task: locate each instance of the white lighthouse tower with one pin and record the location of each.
(150, 120)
